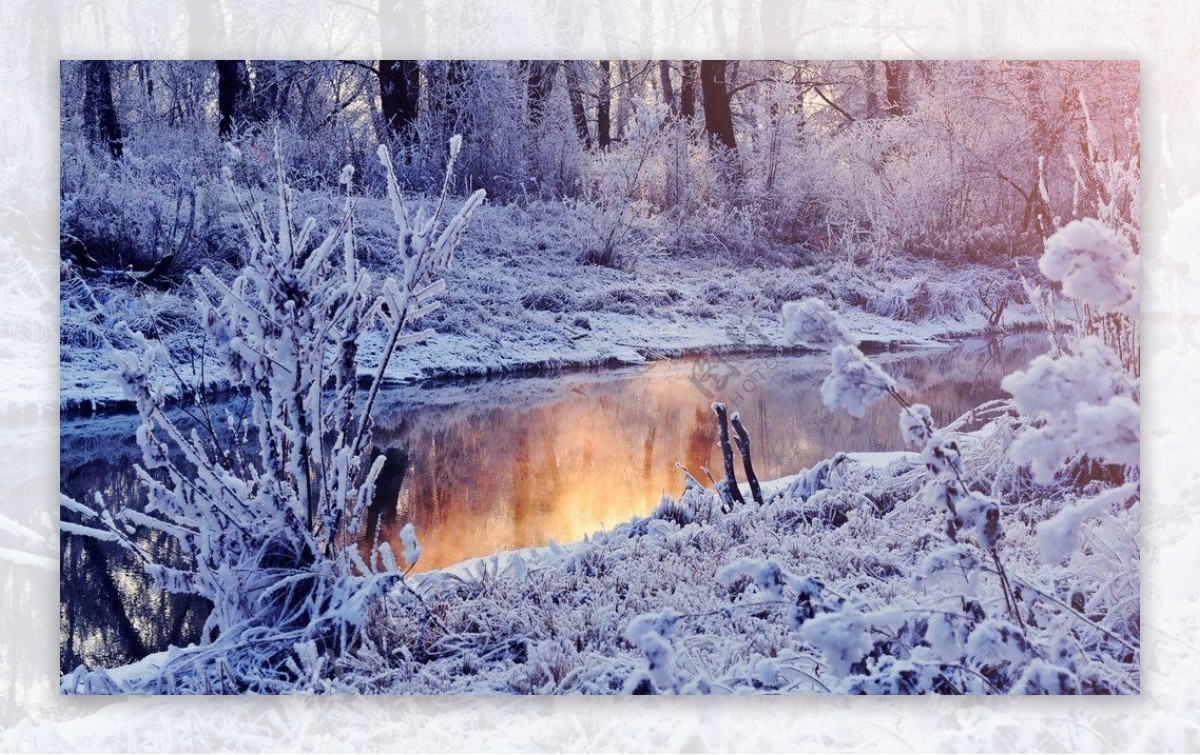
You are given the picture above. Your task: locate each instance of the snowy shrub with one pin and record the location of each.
(622, 230)
(855, 381)
(1080, 403)
(1059, 536)
(1095, 266)
(1085, 403)
(810, 322)
(549, 299)
(141, 216)
(1041, 678)
(264, 507)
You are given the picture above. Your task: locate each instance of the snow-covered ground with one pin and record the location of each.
(842, 582)
(518, 299)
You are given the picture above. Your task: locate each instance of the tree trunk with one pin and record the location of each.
(687, 91)
(870, 78)
(718, 119)
(458, 73)
(578, 112)
(893, 98)
(603, 133)
(269, 92)
(399, 95)
(99, 114)
(233, 85)
(539, 84)
(624, 98)
(668, 92)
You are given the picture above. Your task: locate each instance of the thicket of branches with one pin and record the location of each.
(262, 501)
(851, 159)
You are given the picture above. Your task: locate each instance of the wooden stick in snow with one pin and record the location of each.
(727, 453)
(743, 444)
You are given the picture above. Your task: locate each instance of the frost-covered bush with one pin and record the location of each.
(514, 157)
(263, 505)
(141, 214)
(1085, 404)
(619, 189)
(1096, 267)
(984, 620)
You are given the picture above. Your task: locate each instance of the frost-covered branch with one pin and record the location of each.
(266, 520)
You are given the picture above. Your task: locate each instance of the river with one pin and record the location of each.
(487, 465)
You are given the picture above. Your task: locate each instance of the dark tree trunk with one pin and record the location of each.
(668, 92)
(718, 119)
(539, 83)
(400, 21)
(233, 88)
(603, 134)
(578, 112)
(732, 494)
(99, 114)
(624, 98)
(399, 95)
(893, 93)
(687, 91)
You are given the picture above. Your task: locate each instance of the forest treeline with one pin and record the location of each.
(974, 160)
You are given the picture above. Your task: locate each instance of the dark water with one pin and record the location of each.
(484, 466)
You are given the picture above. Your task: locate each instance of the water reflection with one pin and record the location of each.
(109, 614)
(490, 465)
(482, 473)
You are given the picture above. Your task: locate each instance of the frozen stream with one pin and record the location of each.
(488, 465)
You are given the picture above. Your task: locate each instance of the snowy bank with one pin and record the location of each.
(841, 582)
(518, 300)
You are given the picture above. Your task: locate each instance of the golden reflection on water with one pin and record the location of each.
(597, 449)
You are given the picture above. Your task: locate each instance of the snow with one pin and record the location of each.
(1059, 537)
(855, 382)
(812, 323)
(1086, 400)
(916, 422)
(517, 300)
(412, 551)
(1095, 266)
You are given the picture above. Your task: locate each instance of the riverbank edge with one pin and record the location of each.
(899, 335)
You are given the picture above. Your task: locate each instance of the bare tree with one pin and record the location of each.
(718, 119)
(603, 107)
(578, 111)
(233, 90)
(399, 95)
(539, 83)
(668, 92)
(892, 73)
(687, 91)
(99, 114)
